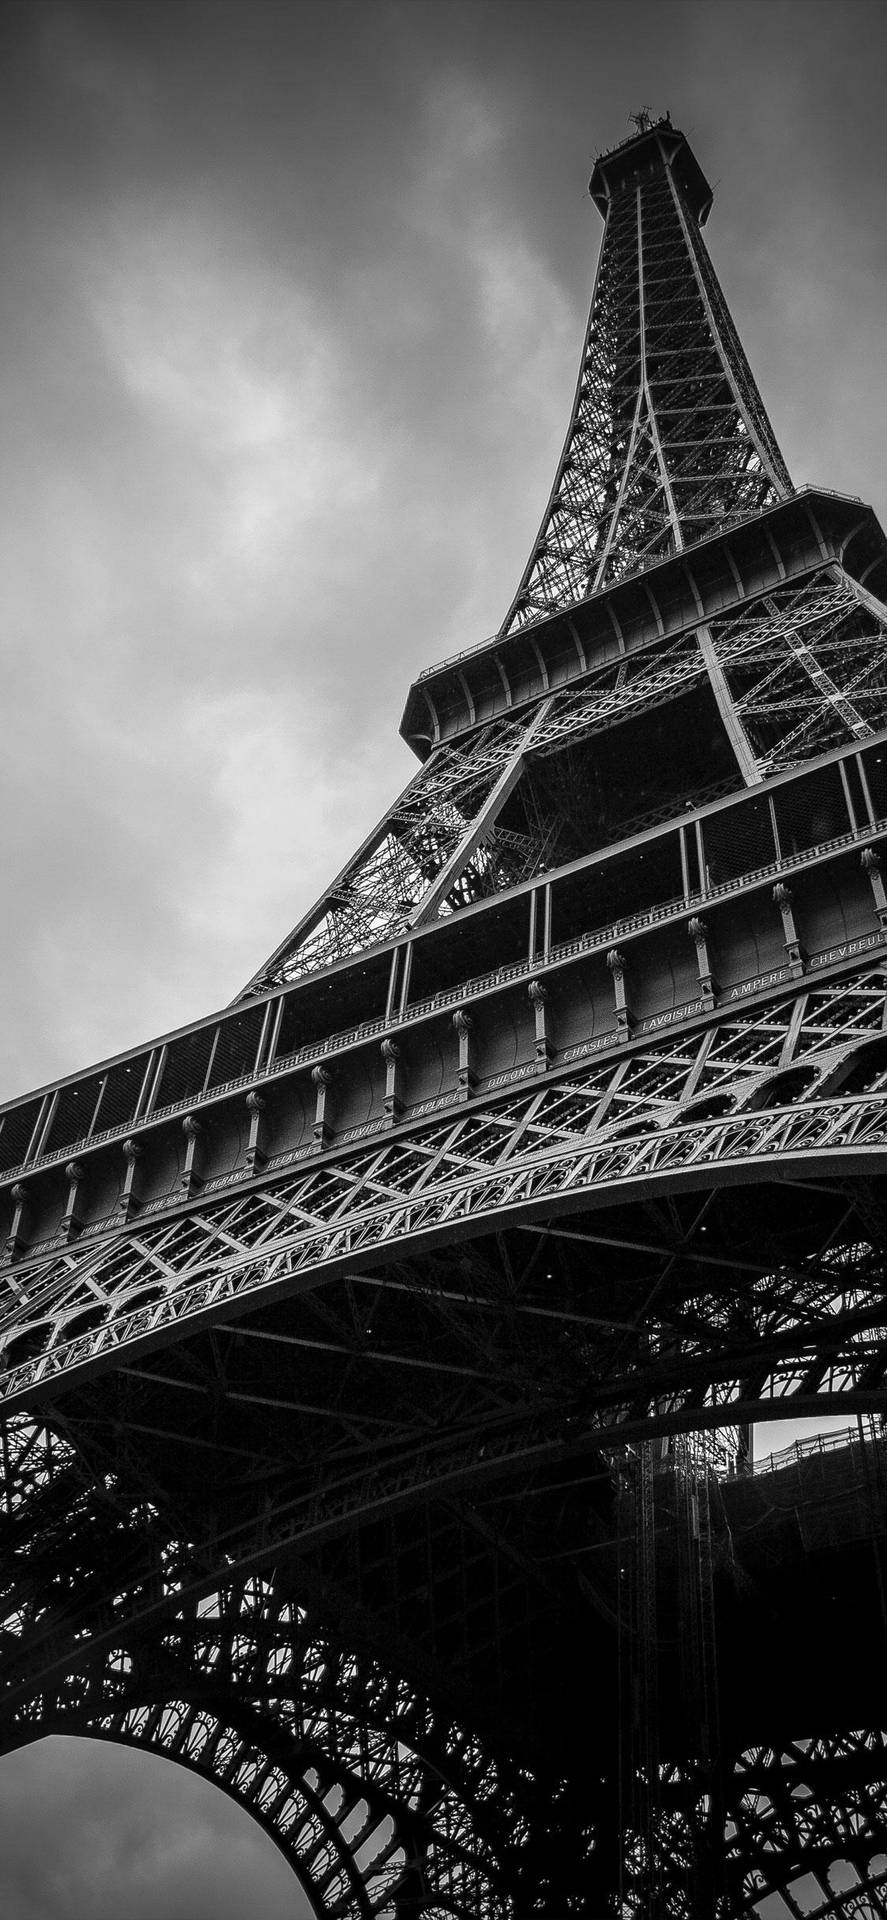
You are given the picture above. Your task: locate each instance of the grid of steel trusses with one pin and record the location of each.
(368, 1789)
(803, 1835)
(363, 1783)
(760, 1086)
(669, 437)
(806, 1827)
(372, 1791)
(804, 670)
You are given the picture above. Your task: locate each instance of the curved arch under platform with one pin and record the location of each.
(381, 1804)
(804, 1824)
(386, 1802)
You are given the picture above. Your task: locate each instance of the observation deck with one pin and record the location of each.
(637, 157)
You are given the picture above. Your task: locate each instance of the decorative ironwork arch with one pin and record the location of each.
(380, 1802)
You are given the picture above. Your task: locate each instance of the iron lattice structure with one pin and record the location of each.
(378, 1354)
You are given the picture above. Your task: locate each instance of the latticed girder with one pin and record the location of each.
(803, 1832)
(669, 437)
(382, 1803)
(794, 1083)
(796, 672)
(806, 668)
(668, 443)
(443, 824)
(808, 1827)
(384, 1800)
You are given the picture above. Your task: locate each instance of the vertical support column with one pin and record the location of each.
(276, 1025)
(624, 1017)
(466, 1079)
(71, 1221)
(866, 789)
(794, 951)
(538, 999)
(701, 862)
(322, 1080)
(267, 1030)
(392, 1105)
(708, 985)
(546, 929)
(17, 1241)
(743, 1456)
(848, 798)
(405, 982)
(774, 826)
(255, 1146)
(40, 1135)
(391, 1000)
(207, 1078)
(685, 864)
(151, 1084)
(128, 1203)
(192, 1129)
(871, 865)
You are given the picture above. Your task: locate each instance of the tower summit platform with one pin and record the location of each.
(636, 159)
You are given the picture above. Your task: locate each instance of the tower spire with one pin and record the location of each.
(668, 435)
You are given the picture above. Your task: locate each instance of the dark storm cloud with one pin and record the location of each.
(292, 304)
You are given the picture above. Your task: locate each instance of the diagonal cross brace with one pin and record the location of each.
(429, 904)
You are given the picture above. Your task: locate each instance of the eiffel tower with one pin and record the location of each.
(379, 1354)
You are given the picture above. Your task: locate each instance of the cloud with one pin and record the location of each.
(92, 1831)
(228, 361)
(79, 59)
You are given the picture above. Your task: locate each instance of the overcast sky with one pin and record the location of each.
(293, 297)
